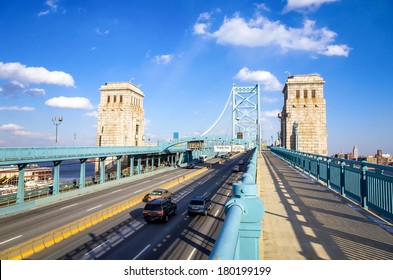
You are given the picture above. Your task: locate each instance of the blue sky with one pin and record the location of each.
(185, 56)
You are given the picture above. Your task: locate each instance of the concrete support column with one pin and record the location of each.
(139, 167)
(20, 195)
(118, 165)
(132, 166)
(146, 165)
(102, 170)
(82, 176)
(56, 177)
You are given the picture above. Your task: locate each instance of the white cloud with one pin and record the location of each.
(269, 122)
(268, 80)
(14, 88)
(200, 28)
(69, 102)
(338, 50)
(10, 127)
(305, 5)
(17, 130)
(14, 71)
(271, 114)
(268, 100)
(16, 108)
(52, 7)
(261, 32)
(93, 114)
(163, 59)
(35, 91)
(100, 32)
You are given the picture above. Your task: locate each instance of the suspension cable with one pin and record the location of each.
(222, 113)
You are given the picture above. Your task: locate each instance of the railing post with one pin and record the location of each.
(363, 186)
(342, 178)
(251, 222)
(328, 172)
(318, 167)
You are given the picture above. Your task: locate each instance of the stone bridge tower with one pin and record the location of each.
(303, 117)
(120, 115)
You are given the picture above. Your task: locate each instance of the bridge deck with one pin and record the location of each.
(304, 220)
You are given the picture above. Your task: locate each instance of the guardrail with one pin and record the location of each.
(369, 185)
(240, 233)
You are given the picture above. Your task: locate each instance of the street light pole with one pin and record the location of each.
(57, 123)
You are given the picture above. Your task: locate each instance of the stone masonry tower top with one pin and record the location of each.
(303, 117)
(120, 115)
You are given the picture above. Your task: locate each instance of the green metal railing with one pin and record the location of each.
(369, 185)
(240, 233)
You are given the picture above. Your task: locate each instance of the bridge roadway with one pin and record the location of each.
(126, 235)
(305, 220)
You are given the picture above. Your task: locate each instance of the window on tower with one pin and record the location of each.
(313, 93)
(305, 93)
(297, 93)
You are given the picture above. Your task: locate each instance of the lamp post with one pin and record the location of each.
(57, 123)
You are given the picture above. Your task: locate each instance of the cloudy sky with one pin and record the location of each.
(185, 56)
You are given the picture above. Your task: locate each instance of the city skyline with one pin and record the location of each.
(185, 56)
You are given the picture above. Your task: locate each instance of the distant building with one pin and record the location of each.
(371, 159)
(349, 156)
(355, 153)
(303, 117)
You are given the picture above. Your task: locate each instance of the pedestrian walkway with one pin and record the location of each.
(304, 220)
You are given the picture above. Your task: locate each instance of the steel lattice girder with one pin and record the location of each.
(245, 112)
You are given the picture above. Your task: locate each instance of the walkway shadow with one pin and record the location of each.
(326, 226)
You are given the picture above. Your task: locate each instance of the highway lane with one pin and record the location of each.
(127, 236)
(20, 227)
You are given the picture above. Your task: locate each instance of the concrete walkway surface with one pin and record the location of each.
(305, 220)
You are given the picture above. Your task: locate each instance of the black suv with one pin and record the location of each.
(159, 210)
(199, 205)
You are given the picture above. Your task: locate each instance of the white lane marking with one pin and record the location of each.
(215, 215)
(117, 191)
(96, 247)
(192, 253)
(93, 208)
(185, 212)
(141, 252)
(13, 238)
(68, 206)
(138, 191)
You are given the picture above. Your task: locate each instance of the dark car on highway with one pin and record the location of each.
(236, 168)
(199, 205)
(159, 210)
